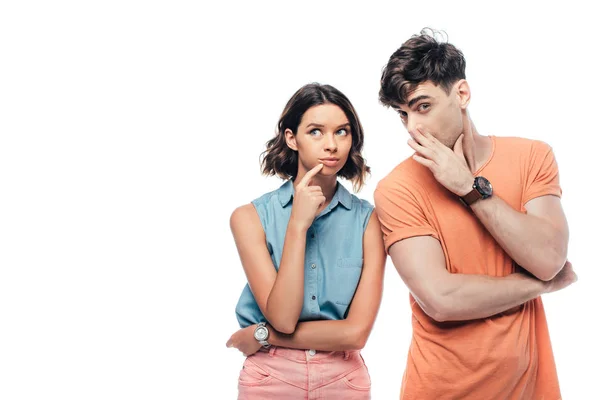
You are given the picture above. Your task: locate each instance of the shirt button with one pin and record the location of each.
(313, 266)
(314, 297)
(312, 235)
(312, 352)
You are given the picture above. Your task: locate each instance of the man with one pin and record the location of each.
(475, 228)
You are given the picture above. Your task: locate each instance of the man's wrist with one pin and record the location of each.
(542, 286)
(481, 189)
(467, 187)
(547, 286)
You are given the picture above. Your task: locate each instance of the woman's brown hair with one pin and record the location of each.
(278, 159)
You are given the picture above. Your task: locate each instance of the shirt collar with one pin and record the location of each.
(342, 196)
(286, 191)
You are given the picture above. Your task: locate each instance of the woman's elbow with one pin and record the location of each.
(359, 344)
(286, 327)
(358, 338)
(281, 320)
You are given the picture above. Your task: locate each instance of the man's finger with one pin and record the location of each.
(424, 151)
(458, 146)
(434, 143)
(419, 136)
(423, 161)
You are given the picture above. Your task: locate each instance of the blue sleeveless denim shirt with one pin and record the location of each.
(333, 257)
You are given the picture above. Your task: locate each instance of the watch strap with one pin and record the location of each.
(471, 197)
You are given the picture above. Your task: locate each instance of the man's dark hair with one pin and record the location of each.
(421, 58)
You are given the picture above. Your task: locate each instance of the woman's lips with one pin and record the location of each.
(330, 162)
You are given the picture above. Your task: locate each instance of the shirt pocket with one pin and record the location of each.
(348, 272)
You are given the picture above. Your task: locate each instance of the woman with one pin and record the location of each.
(314, 258)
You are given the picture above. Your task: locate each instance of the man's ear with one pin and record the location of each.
(463, 92)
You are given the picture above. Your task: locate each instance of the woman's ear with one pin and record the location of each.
(290, 139)
(463, 91)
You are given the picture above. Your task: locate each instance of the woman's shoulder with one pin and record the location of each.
(242, 215)
(351, 201)
(361, 203)
(262, 207)
(362, 210)
(281, 195)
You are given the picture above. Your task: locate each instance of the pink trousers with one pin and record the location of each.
(282, 373)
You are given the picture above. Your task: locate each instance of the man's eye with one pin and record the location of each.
(424, 107)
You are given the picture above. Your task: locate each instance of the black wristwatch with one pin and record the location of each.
(482, 189)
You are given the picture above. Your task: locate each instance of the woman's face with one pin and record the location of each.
(323, 137)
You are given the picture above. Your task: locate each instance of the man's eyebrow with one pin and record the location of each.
(418, 98)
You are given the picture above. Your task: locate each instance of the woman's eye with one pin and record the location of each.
(342, 132)
(315, 132)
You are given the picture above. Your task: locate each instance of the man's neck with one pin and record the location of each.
(477, 148)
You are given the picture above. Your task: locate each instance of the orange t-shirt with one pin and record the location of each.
(506, 356)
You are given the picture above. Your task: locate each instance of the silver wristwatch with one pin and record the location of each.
(261, 334)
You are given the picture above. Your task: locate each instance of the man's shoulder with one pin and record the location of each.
(520, 144)
(408, 174)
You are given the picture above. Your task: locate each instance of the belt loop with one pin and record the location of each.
(346, 354)
(272, 351)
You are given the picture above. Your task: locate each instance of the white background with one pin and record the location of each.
(131, 130)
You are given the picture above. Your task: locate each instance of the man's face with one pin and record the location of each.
(433, 110)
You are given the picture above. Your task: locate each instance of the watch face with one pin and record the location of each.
(261, 333)
(483, 186)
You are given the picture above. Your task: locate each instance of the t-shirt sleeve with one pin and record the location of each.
(400, 214)
(542, 175)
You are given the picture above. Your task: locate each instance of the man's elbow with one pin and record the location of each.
(436, 308)
(446, 313)
(547, 274)
(554, 263)
(441, 315)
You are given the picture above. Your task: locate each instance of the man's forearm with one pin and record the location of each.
(532, 242)
(465, 297)
(325, 335)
